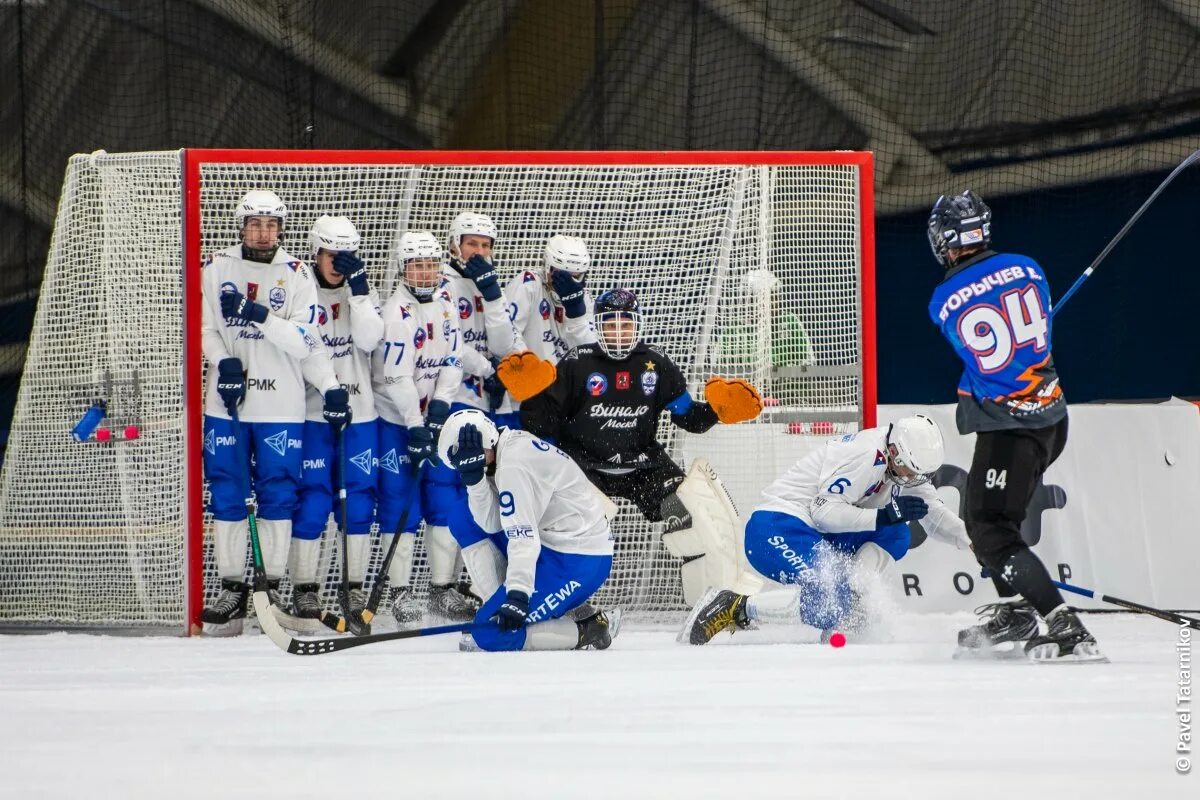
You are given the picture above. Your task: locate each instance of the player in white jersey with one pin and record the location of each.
(549, 546)
(551, 312)
(416, 374)
(837, 517)
(255, 333)
(347, 316)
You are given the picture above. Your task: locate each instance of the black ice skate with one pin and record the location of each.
(405, 607)
(1066, 641)
(1003, 627)
(716, 611)
(597, 631)
(225, 617)
(449, 602)
(358, 604)
(306, 602)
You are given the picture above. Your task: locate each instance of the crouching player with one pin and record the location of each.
(833, 520)
(549, 546)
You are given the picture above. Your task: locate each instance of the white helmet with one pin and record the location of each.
(915, 443)
(568, 253)
(260, 203)
(333, 233)
(414, 245)
(448, 438)
(470, 223)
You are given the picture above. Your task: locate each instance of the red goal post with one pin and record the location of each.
(754, 264)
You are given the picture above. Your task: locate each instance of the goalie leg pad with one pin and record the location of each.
(715, 526)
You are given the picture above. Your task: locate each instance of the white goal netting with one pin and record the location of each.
(747, 270)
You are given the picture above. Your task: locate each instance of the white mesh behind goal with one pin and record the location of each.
(746, 270)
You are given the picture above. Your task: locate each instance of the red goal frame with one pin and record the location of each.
(194, 159)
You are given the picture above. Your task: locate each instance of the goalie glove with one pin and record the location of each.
(733, 400)
(525, 375)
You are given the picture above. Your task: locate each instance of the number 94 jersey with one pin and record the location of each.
(994, 309)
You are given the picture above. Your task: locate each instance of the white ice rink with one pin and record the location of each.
(118, 717)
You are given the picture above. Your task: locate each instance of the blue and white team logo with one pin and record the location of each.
(419, 338)
(464, 308)
(544, 308)
(649, 383)
(277, 442)
(210, 442)
(597, 384)
(389, 462)
(363, 460)
(277, 298)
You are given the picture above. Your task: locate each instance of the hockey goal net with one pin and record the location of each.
(756, 265)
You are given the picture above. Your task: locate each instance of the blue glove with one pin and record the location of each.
(351, 266)
(337, 408)
(494, 387)
(902, 509)
(420, 445)
(435, 416)
(235, 304)
(514, 614)
(479, 270)
(231, 383)
(570, 293)
(468, 457)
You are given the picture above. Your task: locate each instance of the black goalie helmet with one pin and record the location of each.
(962, 220)
(612, 312)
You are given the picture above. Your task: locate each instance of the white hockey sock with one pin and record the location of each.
(775, 605)
(400, 570)
(553, 634)
(302, 560)
(443, 555)
(357, 547)
(486, 566)
(229, 545)
(274, 538)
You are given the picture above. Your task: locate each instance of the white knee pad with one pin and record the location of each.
(229, 547)
(275, 539)
(486, 566)
(400, 570)
(442, 550)
(302, 560)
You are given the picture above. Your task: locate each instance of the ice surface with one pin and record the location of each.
(117, 717)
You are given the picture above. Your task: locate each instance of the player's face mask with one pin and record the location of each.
(261, 236)
(617, 332)
(901, 474)
(421, 276)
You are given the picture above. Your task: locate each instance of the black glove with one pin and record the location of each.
(514, 614)
(420, 445)
(468, 457)
(235, 304)
(337, 408)
(570, 293)
(351, 266)
(231, 383)
(481, 271)
(901, 509)
(435, 417)
(494, 386)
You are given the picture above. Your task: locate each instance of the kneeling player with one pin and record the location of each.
(839, 515)
(603, 409)
(549, 546)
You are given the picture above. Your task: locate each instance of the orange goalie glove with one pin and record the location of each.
(734, 400)
(524, 374)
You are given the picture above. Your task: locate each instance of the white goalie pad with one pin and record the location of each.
(716, 534)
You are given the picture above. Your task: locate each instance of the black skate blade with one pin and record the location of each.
(1084, 653)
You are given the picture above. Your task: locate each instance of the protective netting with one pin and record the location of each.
(745, 271)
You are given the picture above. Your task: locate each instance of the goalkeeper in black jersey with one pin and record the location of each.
(603, 408)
